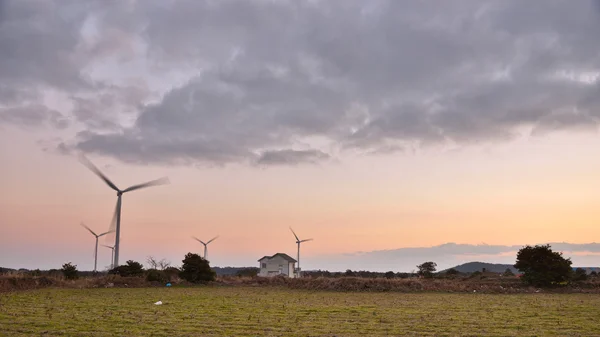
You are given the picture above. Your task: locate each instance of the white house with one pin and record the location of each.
(278, 264)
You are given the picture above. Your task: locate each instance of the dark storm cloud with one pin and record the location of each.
(369, 76)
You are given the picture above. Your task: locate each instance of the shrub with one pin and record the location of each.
(580, 275)
(543, 267)
(452, 271)
(390, 275)
(248, 272)
(132, 268)
(171, 273)
(508, 272)
(196, 269)
(70, 271)
(154, 275)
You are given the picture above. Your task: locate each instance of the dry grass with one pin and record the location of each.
(259, 311)
(507, 285)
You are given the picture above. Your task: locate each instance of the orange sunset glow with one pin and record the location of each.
(371, 139)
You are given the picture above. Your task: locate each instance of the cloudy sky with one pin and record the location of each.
(368, 125)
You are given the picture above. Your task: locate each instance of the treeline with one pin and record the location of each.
(360, 273)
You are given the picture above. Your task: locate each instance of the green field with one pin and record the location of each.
(241, 311)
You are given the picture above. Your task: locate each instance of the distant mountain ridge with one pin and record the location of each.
(471, 267)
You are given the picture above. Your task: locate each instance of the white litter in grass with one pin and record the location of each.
(158, 303)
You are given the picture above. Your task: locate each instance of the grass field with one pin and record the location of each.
(245, 311)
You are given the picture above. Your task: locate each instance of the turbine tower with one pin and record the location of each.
(205, 244)
(110, 184)
(112, 256)
(96, 250)
(298, 241)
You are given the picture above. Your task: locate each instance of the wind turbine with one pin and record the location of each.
(205, 244)
(96, 250)
(110, 184)
(112, 256)
(298, 241)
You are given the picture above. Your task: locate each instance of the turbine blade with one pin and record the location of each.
(195, 238)
(306, 240)
(213, 239)
(99, 235)
(106, 246)
(160, 181)
(113, 224)
(86, 227)
(294, 234)
(94, 169)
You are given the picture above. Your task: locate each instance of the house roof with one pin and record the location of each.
(283, 255)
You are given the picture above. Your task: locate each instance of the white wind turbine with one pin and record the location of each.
(117, 215)
(112, 256)
(205, 244)
(96, 250)
(298, 241)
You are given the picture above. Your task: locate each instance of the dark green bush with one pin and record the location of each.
(195, 269)
(70, 271)
(132, 268)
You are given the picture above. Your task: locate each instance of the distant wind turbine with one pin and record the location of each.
(298, 241)
(111, 256)
(94, 169)
(205, 244)
(96, 250)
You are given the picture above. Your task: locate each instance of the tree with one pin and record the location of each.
(427, 269)
(70, 271)
(390, 274)
(543, 267)
(195, 269)
(160, 265)
(131, 268)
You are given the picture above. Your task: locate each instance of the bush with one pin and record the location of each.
(580, 275)
(70, 271)
(171, 273)
(132, 268)
(452, 271)
(155, 275)
(508, 272)
(248, 272)
(196, 269)
(390, 275)
(543, 267)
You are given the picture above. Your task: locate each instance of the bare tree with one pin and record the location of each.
(154, 264)
(164, 264)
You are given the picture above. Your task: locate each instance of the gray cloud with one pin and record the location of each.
(33, 115)
(291, 157)
(247, 77)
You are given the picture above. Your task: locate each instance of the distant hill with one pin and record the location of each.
(472, 267)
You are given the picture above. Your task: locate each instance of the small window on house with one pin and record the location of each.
(263, 265)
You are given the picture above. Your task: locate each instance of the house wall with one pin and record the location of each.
(273, 267)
